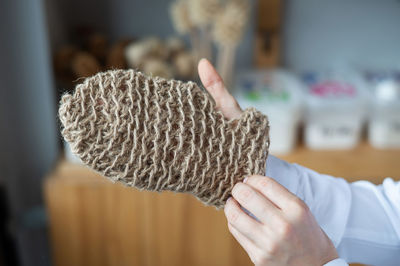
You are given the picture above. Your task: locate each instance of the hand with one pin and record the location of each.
(285, 232)
(215, 86)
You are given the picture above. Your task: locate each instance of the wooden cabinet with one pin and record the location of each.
(267, 44)
(95, 222)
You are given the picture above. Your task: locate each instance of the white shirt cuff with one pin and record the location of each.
(336, 262)
(328, 198)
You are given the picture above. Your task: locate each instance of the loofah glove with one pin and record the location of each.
(157, 134)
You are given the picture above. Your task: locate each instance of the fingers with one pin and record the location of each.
(257, 204)
(246, 225)
(246, 243)
(214, 84)
(274, 191)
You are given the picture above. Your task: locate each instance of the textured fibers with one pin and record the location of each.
(157, 134)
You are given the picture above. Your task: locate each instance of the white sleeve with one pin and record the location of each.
(361, 219)
(337, 262)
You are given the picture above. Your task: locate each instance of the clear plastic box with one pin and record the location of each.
(384, 118)
(276, 93)
(335, 109)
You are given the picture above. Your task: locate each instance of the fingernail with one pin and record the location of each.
(230, 198)
(245, 179)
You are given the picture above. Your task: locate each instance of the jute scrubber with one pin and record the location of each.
(157, 134)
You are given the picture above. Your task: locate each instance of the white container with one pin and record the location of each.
(335, 110)
(384, 120)
(277, 94)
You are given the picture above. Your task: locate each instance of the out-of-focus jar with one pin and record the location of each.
(277, 94)
(335, 109)
(384, 119)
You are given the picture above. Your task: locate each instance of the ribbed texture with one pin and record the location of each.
(157, 134)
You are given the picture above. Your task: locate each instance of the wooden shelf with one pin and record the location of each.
(95, 222)
(362, 162)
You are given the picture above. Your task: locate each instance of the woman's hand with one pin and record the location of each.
(285, 231)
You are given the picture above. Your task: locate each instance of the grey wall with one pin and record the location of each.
(325, 33)
(28, 130)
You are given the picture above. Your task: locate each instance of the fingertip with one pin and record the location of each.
(203, 61)
(208, 75)
(203, 66)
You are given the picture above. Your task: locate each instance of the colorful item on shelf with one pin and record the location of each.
(335, 109)
(277, 94)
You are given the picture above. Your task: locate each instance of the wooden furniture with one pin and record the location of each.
(95, 222)
(363, 162)
(267, 42)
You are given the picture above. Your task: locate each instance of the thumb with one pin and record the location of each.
(214, 84)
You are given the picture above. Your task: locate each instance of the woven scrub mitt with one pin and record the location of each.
(157, 134)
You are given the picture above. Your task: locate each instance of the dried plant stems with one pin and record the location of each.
(203, 13)
(183, 24)
(226, 62)
(227, 32)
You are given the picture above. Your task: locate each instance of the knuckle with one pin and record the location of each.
(260, 260)
(248, 229)
(286, 231)
(242, 192)
(231, 214)
(273, 249)
(300, 209)
(263, 182)
(260, 257)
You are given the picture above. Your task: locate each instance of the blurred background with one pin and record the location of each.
(326, 72)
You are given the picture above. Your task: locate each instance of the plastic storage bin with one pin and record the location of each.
(384, 119)
(335, 109)
(277, 94)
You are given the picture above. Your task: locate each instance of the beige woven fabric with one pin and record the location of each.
(157, 134)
